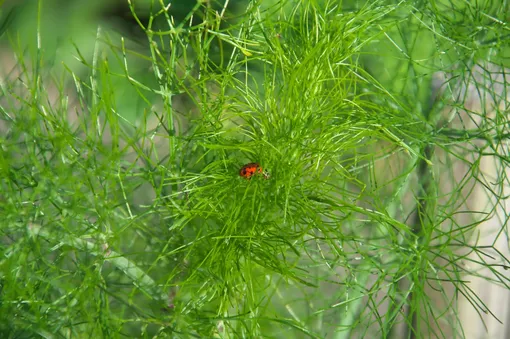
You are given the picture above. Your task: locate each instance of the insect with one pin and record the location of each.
(248, 170)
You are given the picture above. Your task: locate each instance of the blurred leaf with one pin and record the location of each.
(9, 18)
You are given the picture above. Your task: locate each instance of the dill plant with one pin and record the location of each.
(116, 225)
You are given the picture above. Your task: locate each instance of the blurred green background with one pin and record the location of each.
(402, 58)
(69, 30)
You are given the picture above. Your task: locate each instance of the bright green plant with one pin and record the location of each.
(123, 213)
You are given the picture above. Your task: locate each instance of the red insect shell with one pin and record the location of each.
(248, 170)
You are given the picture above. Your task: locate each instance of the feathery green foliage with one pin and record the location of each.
(123, 213)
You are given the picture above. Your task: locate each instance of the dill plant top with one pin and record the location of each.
(374, 137)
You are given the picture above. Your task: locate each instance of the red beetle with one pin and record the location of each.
(248, 170)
